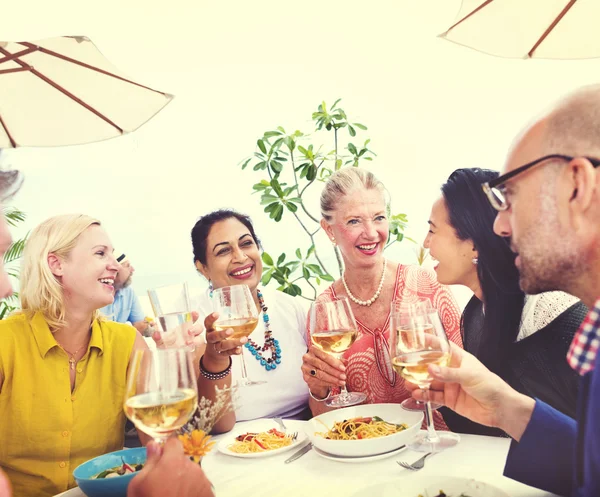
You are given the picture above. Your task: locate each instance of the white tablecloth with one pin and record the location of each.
(477, 457)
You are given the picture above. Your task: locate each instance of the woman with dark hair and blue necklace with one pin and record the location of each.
(227, 252)
(523, 339)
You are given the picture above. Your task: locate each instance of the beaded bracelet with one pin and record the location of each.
(215, 376)
(323, 399)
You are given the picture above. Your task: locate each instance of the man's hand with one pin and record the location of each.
(168, 472)
(473, 391)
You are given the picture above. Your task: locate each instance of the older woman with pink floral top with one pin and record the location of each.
(355, 212)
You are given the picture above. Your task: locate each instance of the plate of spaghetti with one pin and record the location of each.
(260, 444)
(364, 430)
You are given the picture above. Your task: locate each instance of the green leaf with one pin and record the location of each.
(360, 126)
(276, 166)
(291, 206)
(298, 253)
(352, 148)
(318, 280)
(271, 207)
(245, 163)
(311, 250)
(267, 199)
(292, 265)
(271, 134)
(259, 165)
(267, 277)
(336, 102)
(280, 259)
(311, 172)
(278, 213)
(267, 259)
(261, 145)
(327, 277)
(305, 273)
(351, 130)
(277, 187)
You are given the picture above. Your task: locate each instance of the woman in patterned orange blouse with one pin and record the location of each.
(355, 209)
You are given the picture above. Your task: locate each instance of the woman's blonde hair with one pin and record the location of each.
(40, 290)
(344, 181)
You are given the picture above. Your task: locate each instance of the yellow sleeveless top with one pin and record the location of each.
(46, 430)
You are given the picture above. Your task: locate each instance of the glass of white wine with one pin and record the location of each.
(161, 394)
(333, 329)
(418, 340)
(399, 312)
(171, 306)
(237, 310)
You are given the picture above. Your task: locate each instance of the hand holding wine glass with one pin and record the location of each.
(418, 340)
(237, 312)
(333, 330)
(161, 394)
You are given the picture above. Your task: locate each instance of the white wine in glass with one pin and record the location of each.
(161, 394)
(237, 310)
(400, 315)
(333, 330)
(171, 306)
(417, 341)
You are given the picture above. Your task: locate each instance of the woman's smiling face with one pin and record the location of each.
(232, 255)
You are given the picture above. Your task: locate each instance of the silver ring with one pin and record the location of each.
(215, 347)
(313, 372)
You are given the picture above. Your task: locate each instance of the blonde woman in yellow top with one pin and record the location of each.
(62, 369)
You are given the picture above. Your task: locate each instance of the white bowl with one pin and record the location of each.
(392, 413)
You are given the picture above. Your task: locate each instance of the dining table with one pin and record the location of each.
(475, 457)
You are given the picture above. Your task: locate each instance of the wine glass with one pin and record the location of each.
(237, 310)
(399, 314)
(418, 342)
(333, 329)
(171, 306)
(161, 394)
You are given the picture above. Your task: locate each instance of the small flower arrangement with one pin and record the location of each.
(195, 434)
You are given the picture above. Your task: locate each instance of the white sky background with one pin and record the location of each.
(239, 68)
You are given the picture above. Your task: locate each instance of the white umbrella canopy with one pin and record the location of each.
(546, 29)
(63, 91)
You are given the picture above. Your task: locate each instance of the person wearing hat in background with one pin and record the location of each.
(126, 307)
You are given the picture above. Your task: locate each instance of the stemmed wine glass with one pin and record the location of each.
(333, 329)
(237, 310)
(419, 342)
(400, 313)
(161, 394)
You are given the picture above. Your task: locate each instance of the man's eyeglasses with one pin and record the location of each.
(496, 192)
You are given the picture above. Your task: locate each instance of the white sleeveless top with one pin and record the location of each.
(285, 394)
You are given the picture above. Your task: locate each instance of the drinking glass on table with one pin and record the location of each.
(333, 329)
(417, 341)
(400, 313)
(237, 310)
(171, 306)
(161, 394)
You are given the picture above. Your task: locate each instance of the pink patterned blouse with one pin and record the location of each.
(368, 361)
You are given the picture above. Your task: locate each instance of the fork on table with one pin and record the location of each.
(417, 465)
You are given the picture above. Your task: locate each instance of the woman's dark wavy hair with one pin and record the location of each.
(205, 223)
(473, 217)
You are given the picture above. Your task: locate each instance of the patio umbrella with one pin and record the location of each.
(63, 91)
(547, 29)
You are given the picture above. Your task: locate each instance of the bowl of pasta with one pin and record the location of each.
(364, 430)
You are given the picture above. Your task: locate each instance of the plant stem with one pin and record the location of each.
(335, 138)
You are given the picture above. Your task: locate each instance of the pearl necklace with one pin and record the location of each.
(374, 297)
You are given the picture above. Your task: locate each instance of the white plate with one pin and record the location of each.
(392, 413)
(224, 444)
(429, 486)
(359, 459)
(74, 492)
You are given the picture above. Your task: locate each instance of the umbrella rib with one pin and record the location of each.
(88, 66)
(16, 55)
(484, 4)
(559, 18)
(10, 138)
(64, 91)
(14, 69)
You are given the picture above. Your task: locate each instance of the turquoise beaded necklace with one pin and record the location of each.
(271, 344)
